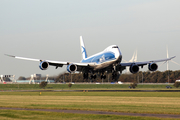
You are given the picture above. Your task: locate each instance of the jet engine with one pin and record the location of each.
(134, 68)
(71, 68)
(43, 65)
(153, 66)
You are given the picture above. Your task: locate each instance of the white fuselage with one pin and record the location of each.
(111, 55)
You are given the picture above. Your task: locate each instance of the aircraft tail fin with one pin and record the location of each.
(83, 49)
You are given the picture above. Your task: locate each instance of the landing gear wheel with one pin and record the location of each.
(114, 75)
(103, 76)
(93, 76)
(85, 76)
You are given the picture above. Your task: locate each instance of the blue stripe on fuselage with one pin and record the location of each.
(104, 57)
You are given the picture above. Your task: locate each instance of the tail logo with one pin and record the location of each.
(84, 51)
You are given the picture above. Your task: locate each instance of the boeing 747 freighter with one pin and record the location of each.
(109, 60)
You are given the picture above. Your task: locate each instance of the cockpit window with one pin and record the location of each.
(115, 47)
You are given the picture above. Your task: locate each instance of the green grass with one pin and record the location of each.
(83, 87)
(132, 102)
(113, 94)
(128, 102)
(36, 115)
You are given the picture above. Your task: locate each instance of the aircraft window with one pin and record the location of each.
(115, 47)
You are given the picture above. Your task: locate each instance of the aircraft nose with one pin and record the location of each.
(118, 55)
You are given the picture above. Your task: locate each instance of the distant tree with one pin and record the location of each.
(133, 85)
(21, 78)
(176, 84)
(70, 85)
(43, 84)
(148, 77)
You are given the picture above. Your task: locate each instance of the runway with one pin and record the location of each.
(97, 112)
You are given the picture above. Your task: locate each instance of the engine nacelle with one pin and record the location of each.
(153, 66)
(71, 68)
(134, 68)
(43, 65)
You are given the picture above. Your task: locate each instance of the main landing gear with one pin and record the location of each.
(93, 76)
(85, 75)
(103, 76)
(114, 75)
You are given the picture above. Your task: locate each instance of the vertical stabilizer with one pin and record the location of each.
(133, 59)
(83, 49)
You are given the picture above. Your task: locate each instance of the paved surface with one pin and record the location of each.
(98, 112)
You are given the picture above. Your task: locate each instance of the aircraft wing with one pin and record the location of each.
(51, 62)
(146, 62)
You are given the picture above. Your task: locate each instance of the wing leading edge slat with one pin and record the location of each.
(145, 62)
(51, 62)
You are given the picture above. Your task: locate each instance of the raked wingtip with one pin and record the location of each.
(9, 55)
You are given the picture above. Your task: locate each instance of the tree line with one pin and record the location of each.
(140, 77)
(151, 77)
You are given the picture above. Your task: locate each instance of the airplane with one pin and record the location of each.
(109, 60)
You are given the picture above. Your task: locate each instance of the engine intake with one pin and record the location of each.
(43, 65)
(71, 68)
(134, 68)
(153, 66)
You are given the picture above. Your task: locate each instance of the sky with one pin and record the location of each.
(50, 29)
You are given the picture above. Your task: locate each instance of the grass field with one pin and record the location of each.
(84, 87)
(133, 102)
(127, 102)
(38, 115)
